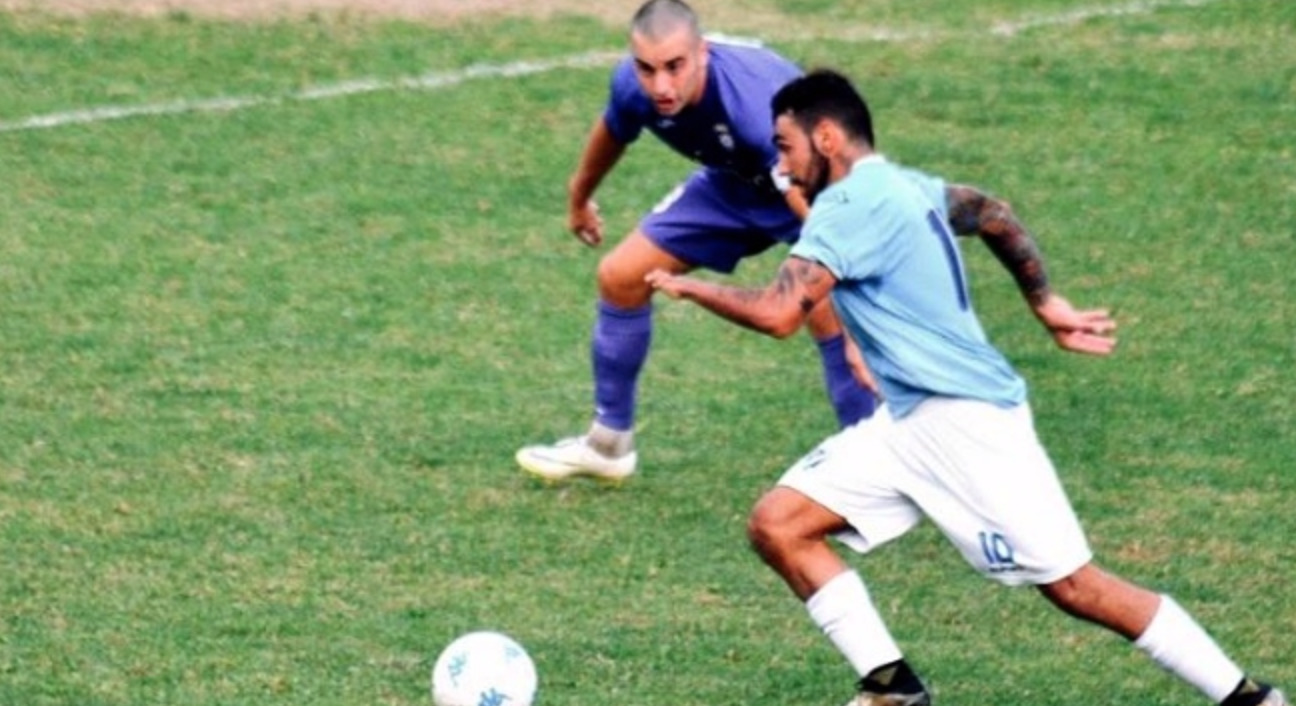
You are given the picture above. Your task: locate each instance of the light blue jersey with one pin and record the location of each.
(901, 291)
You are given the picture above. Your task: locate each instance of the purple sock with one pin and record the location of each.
(851, 400)
(618, 350)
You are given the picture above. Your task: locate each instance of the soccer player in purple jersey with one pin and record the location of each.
(709, 101)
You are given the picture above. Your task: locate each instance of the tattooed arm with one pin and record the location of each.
(972, 212)
(777, 310)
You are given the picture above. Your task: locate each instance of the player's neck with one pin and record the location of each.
(846, 158)
(700, 94)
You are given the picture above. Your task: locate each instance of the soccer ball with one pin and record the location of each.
(484, 668)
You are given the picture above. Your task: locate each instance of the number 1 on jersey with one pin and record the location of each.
(942, 231)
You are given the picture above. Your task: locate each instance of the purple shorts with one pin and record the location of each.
(713, 220)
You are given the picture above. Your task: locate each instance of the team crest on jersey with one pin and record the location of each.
(722, 134)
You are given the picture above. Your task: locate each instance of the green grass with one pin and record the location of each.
(262, 372)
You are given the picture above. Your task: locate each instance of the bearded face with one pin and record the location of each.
(799, 160)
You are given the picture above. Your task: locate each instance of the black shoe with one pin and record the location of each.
(922, 698)
(1275, 698)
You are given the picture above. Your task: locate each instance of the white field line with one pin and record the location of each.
(1006, 28)
(444, 79)
(433, 80)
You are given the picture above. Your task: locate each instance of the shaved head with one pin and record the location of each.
(657, 19)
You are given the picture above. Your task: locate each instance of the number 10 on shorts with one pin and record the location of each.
(998, 552)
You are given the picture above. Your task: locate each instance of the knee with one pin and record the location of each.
(773, 527)
(621, 281)
(1079, 594)
(1068, 594)
(763, 526)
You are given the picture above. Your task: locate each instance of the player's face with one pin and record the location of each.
(671, 69)
(799, 160)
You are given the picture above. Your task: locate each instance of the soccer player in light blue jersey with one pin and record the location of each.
(954, 440)
(709, 101)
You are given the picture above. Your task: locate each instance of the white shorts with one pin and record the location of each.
(976, 470)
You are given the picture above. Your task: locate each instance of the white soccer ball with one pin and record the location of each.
(484, 668)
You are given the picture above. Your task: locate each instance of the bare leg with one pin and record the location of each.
(1160, 627)
(822, 322)
(621, 272)
(1096, 596)
(789, 532)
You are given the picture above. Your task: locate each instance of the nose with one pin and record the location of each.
(661, 84)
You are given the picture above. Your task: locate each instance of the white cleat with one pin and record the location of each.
(575, 457)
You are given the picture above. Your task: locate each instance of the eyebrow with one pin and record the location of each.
(665, 64)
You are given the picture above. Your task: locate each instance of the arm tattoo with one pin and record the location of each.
(778, 309)
(973, 212)
(798, 272)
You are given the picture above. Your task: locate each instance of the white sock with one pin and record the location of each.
(844, 611)
(1176, 642)
(610, 442)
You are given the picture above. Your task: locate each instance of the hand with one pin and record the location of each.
(1080, 331)
(665, 282)
(586, 224)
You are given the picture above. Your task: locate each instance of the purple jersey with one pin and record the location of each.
(730, 130)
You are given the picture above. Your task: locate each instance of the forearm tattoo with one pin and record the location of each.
(770, 308)
(972, 212)
(739, 305)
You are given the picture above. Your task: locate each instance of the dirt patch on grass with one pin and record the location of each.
(756, 16)
(742, 17)
(436, 11)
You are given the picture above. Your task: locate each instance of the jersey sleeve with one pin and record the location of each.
(830, 237)
(624, 115)
(753, 87)
(816, 245)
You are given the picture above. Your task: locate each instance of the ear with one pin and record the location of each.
(823, 138)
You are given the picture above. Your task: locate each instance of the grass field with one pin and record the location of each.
(263, 368)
